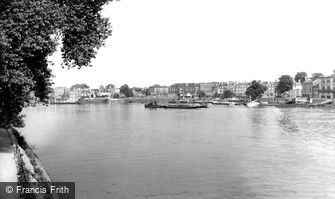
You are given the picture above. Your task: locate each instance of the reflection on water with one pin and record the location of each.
(125, 151)
(286, 120)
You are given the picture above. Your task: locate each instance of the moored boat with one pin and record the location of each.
(253, 104)
(175, 105)
(223, 103)
(151, 105)
(97, 100)
(66, 102)
(184, 106)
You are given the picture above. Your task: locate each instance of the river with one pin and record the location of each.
(125, 151)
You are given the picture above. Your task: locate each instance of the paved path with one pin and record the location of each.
(8, 169)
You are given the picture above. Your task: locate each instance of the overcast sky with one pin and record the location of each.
(170, 41)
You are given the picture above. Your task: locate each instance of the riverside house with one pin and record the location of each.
(295, 91)
(183, 89)
(241, 88)
(326, 87)
(271, 89)
(207, 88)
(75, 95)
(61, 94)
(307, 89)
(159, 90)
(316, 88)
(230, 86)
(220, 88)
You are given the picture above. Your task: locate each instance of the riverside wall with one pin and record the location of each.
(28, 166)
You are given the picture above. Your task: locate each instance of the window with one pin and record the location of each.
(322, 96)
(328, 97)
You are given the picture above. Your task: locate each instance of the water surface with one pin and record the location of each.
(125, 151)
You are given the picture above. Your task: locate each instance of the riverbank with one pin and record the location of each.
(8, 169)
(19, 163)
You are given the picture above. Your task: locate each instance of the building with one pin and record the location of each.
(270, 89)
(230, 86)
(152, 88)
(61, 94)
(307, 89)
(163, 90)
(316, 88)
(326, 87)
(174, 90)
(220, 88)
(159, 90)
(183, 89)
(241, 88)
(296, 91)
(75, 95)
(110, 89)
(95, 93)
(207, 88)
(85, 93)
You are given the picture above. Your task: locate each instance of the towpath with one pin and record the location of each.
(8, 169)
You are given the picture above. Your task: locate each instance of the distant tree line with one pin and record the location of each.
(254, 91)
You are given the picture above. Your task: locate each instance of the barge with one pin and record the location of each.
(154, 105)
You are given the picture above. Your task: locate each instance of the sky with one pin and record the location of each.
(173, 41)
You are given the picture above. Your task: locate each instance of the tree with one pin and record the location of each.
(316, 76)
(285, 84)
(110, 86)
(29, 33)
(125, 90)
(79, 86)
(228, 94)
(102, 88)
(300, 76)
(116, 95)
(255, 90)
(201, 94)
(137, 89)
(146, 92)
(216, 95)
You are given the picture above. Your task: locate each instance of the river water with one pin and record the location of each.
(125, 151)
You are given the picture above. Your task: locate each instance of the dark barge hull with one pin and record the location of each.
(175, 106)
(64, 103)
(183, 107)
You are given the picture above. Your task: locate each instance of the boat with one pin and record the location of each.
(184, 106)
(223, 103)
(97, 100)
(65, 102)
(326, 103)
(253, 104)
(153, 105)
